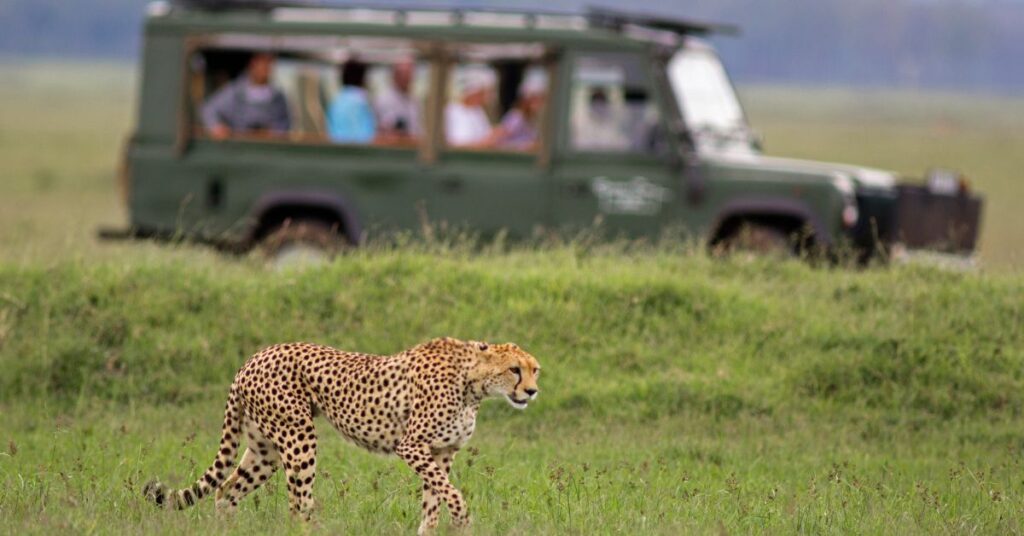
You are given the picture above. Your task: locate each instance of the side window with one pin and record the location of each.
(377, 101)
(495, 98)
(362, 91)
(471, 106)
(612, 108)
(399, 90)
(235, 95)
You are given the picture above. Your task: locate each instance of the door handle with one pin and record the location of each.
(578, 188)
(451, 184)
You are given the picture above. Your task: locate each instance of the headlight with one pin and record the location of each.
(850, 215)
(848, 189)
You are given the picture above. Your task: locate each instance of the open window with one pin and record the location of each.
(309, 89)
(495, 97)
(612, 107)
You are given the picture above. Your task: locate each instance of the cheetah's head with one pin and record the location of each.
(507, 371)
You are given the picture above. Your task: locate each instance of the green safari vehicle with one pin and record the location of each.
(521, 123)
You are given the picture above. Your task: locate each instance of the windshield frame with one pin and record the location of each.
(748, 140)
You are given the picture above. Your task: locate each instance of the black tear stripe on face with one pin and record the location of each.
(519, 375)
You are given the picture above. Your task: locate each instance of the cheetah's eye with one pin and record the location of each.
(515, 370)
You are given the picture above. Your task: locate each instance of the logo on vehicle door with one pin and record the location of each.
(638, 195)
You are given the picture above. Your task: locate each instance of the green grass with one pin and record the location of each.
(61, 130)
(680, 394)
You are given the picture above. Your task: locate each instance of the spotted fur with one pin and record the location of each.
(420, 405)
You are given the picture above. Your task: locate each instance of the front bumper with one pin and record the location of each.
(941, 222)
(913, 217)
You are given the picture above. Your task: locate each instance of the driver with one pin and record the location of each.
(249, 104)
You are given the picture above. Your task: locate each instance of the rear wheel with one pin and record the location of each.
(302, 242)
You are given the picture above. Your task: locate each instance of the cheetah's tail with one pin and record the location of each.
(158, 493)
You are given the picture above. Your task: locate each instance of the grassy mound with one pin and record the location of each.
(618, 334)
(680, 395)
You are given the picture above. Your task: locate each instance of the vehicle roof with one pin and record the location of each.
(597, 27)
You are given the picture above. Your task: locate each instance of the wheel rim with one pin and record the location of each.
(298, 255)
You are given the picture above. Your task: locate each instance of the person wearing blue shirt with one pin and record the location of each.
(350, 117)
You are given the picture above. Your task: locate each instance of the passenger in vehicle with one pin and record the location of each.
(248, 105)
(350, 117)
(600, 127)
(638, 121)
(518, 128)
(397, 110)
(465, 121)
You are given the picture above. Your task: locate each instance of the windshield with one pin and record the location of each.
(707, 100)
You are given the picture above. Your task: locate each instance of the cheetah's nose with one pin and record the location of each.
(530, 392)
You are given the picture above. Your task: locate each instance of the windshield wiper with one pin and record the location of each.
(722, 136)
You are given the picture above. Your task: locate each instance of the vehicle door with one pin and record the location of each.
(374, 181)
(612, 167)
(486, 177)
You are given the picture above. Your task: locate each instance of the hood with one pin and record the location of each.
(863, 177)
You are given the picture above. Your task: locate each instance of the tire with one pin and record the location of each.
(302, 243)
(757, 240)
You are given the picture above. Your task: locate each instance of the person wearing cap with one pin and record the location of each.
(518, 128)
(248, 105)
(465, 121)
(350, 117)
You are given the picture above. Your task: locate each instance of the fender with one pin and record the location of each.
(325, 200)
(773, 206)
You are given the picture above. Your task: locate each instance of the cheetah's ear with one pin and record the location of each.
(477, 345)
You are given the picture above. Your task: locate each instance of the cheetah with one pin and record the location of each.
(420, 404)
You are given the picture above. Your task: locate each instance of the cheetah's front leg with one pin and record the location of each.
(431, 501)
(436, 486)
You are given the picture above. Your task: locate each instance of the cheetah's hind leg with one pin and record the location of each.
(260, 461)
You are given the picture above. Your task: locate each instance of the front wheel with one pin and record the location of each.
(302, 242)
(759, 240)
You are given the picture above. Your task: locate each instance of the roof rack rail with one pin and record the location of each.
(596, 16)
(255, 5)
(615, 20)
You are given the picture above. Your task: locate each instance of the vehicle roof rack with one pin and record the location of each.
(614, 19)
(596, 16)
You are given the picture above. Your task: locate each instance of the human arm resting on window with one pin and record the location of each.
(216, 110)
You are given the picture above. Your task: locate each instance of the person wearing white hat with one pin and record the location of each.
(518, 128)
(465, 121)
